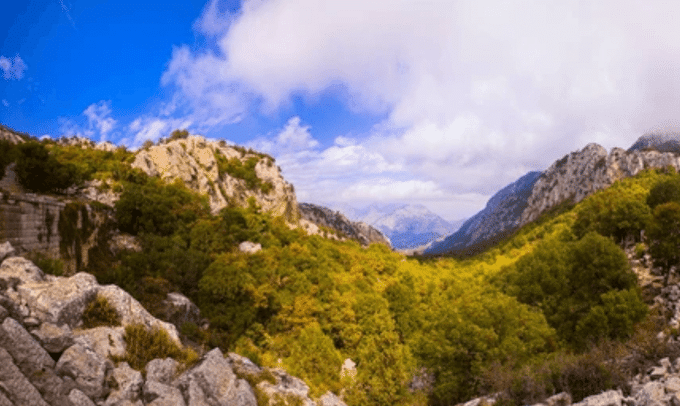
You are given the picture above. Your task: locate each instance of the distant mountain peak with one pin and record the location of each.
(662, 141)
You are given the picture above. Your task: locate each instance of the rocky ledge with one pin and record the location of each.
(48, 357)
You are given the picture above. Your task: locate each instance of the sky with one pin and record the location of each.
(433, 102)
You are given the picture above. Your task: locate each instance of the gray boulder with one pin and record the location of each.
(286, 388)
(131, 311)
(25, 350)
(329, 399)
(105, 341)
(212, 381)
(16, 387)
(159, 394)
(178, 309)
(651, 394)
(87, 368)
(129, 386)
(62, 300)
(249, 247)
(53, 338)
(161, 370)
(20, 269)
(78, 398)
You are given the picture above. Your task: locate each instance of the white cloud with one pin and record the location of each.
(295, 136)
(99, 117)
(12, 68)
(5, 103)
(150, 128)
(475, 93)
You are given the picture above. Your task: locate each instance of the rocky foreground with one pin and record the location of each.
(47, 357)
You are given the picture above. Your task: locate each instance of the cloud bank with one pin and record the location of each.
(475, 93)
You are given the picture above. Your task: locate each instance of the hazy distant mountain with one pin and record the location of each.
(406, 225)
(659, 141)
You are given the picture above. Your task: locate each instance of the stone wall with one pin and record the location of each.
(30, 222)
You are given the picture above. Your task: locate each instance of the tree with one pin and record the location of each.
(664, 235)
(664, 191)
(39, 171)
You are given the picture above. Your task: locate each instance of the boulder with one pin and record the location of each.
(62, 300)
(105, 341)
(161, 370)
(17, 389)
(287, 388)
(651, 394)
(87, 368)
(249, 247)
(609, 398)
(53, 338)
(131, 311)
(6, 251)
(672, 384)
(242, 365)
(561, 399)
(212, 381)
(78, 398)
(128, 388)
(178, 309)
(25, 350)
(158, 394)
(20, 269)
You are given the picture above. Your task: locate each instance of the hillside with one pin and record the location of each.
(567, 181)
(561, 305)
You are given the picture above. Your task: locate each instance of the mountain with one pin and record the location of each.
(568, 180)
(408, 226)
(658, 141)
(357, 230)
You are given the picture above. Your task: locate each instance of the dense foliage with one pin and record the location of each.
(421, 331)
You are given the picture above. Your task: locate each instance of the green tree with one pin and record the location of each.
(664, 191)
(664, 235)
(37, 170)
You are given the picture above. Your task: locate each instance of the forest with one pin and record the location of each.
(544, 311)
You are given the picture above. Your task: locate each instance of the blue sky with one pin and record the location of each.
(437, 102)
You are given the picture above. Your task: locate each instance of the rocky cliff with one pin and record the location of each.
(570, 179)
(12, 136)
(325, 217)
(48, 356)
(227, 175)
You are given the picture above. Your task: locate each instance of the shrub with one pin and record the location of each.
(144, 345)
(6, 155)
(48, 265)
(38, 171)
(178, 135)
(100, 313)
(664, 191)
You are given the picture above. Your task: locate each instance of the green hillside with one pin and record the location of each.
(542, 312)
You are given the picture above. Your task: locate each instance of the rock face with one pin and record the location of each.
(570, 179)
(325, 217)
(196, 162)
(12, 136)
(47, 358)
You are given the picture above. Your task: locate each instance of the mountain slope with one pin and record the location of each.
(569, 179)
(411, 226)
(357, 230)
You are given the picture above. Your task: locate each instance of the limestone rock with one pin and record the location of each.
(78, 398)
(286, 387)
(179, 309)
(242, 365)
(87, 368)
(609, 398)
(25, 350)
(105, 341)
(6, 251)
(651, 394)
(248, 247)
(194, 161)
(16, 387)
(159, 394)
(131, 311)
(20, 269)
(672, 384)
(161, 370)
(129, 386)
(53, 338)
(212, 381)
(561, 399)
(61, 301)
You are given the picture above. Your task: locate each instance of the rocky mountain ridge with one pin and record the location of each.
(325, 217)
(48, 357)
(568, 180)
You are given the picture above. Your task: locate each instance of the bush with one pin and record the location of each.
(7, 151)
(144, 345)
(100, 313)
(38, 171)
(664, 191)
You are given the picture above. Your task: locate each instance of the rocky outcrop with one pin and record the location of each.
(48, 358)
(12, 136)
(336, 221)
(201, 163)
(568, 180)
